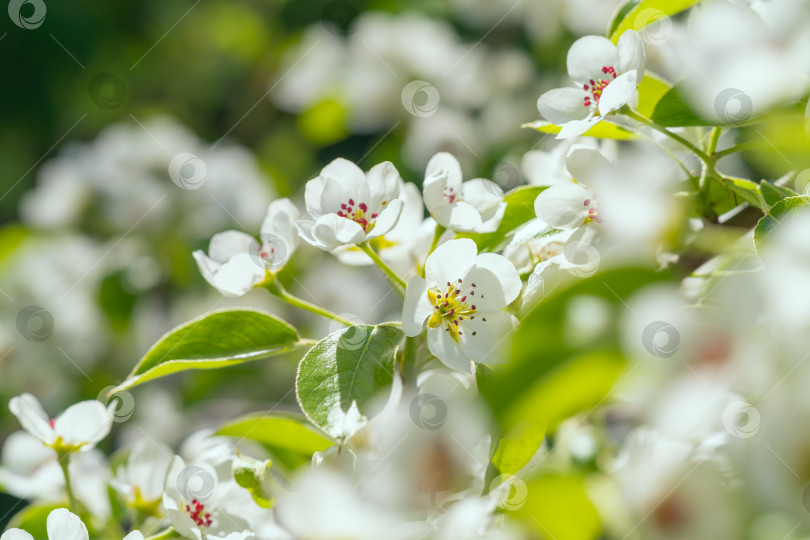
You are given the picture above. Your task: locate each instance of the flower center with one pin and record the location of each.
(452, 306)
(196, 511)
(451, 195)
(359, 214)
(598, 86)
(593, 211)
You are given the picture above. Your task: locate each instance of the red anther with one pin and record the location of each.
(363, 207)
(473, 284)
(374, 215)
(587, 202)
(343, 206)
(585, 87)
(463, 298)
(473, 306)
(351, 202)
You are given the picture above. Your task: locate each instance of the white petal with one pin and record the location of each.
(491, 339)
(239, 275)
(208, 266)
(483, 194)
(85, 422)
(631, 53)
(460, 216)
(584, 162)
(63, 525)
(32, 418)
(16, 534)
(563, 206)
(506, 285)
(184, 524)
(383, 184)
(348, 175)
(331, 231)
(575, 128)
(280, 221)
(618, 93)
(313, 192)
(442, 346)
(416, 307)
(587, 56)
(450, 261)
(445, 165)
(563, 105)
(387, 219)
(304, 228)
(134, 535)
(227, 244)
(492, 223)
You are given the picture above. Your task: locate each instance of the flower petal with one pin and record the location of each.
(134, 535)
(16, 534)
(563, 206)
(631, 53)
(460, 217)
(63, 525)
(416, 307)
(280, 221)
(587, 56)
(331, 231)
(237, 276)
(585, 163)
(618, 93)
(86, 422)
(227, 244)
(491, 339)
(575, 128)
(348, 175)
(450, 261)
(506, 285)
(32, 418)
(383, 184)
(443, 173)
(387, 219)
(313, 193)
(442, 346)
(563, 105)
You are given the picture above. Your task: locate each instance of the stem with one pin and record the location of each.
(276, 289)
(627, 111)
(742, 147)
(64, 460)
(715, 136)
(398, 283)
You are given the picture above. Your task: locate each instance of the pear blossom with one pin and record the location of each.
(197, 512)
(461, 300)
(79, 427)
(141, 479)
(349, 206)
(606, 75)
(236, 262)
(473, 206)
(62, 525)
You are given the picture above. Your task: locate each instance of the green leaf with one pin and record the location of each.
(279, 433)
(602, 130)
(773, 193)
(215, 340)
(673, 110)
(557, 506)
(637, 14)
(519, 210)
(33, 519)
(650, 91)
(746, 189)
(775, 217)
(575, 370)
(256, 477)
(513, 451)
(340, 377)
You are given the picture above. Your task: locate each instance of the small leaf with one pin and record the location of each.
(215, 340)
(650, 91)
(514, 450)
(279, 431)
(340, 377)
(774, 218)
(602, 130)
(773, 193)
(33, 519)
(746, 189)
(519, 210)
(637, 14)
(557, 506)
(673, 110)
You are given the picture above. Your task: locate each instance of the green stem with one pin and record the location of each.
(713, 139)
(64, 461)
(627, 111)
(398, 283)
(276, 289)
(742, 147)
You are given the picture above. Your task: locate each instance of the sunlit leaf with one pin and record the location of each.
(602, 130)
(775, 217)
(217, 339)
(340, 377)
(519, 210)
(650, 91)
(33, 519)
(279, 431)
(637, 14)
(557, 507)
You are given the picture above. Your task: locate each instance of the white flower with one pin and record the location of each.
(141, 480)
(79, 427)
(349, 206)
(606, 76)
(473, 206)
(462, 302)
(533, 243)
(62, 525)
(236, 262)
(192, 500)
(30, 470)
